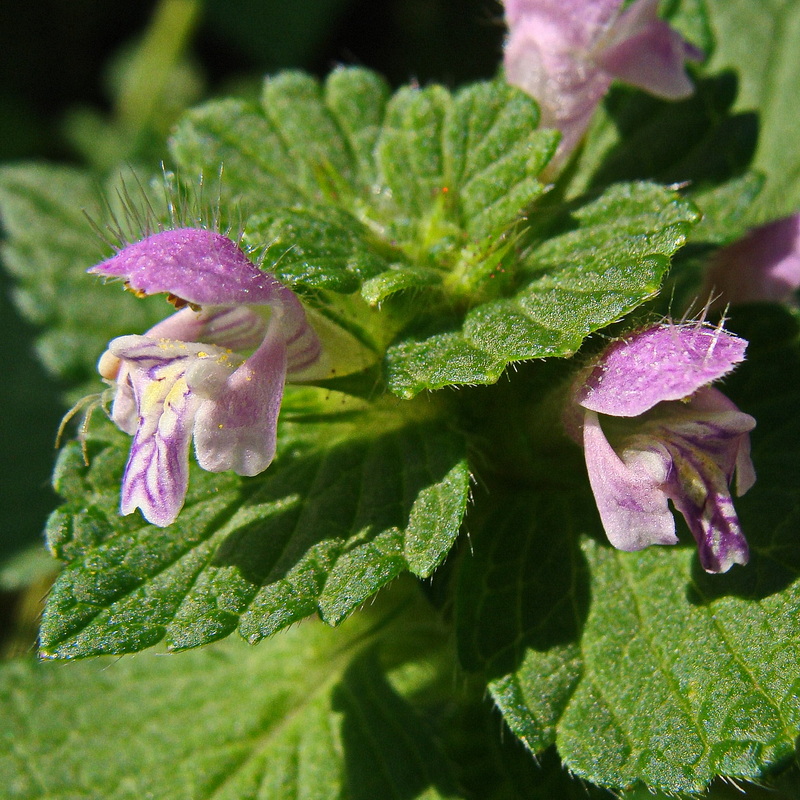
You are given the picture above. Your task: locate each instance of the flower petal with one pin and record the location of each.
(154, 381)
(763, 266)
(629, 493)
(699, 490)
(576, 21)
(646, 52)
(236, 429)
(547, 56)
(565, 53)
(729, 427)
(157, 474)
(666, 362)
(197, 265)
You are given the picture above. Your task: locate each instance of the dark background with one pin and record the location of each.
(55, 57)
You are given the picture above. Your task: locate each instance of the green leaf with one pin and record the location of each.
(700, 142)
(49, 247)
(611, 259)
(340, 184)
(316, 247)
(700, 139)
(410, 148)
(760, 42)
(312, 713)
(488, 147)
(691, 19)
(357, 99)
(640, 666)
(397, 278)
(332, 521)
(739, 117)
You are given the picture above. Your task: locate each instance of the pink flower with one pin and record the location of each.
(188, 377)
(764, 265)
(565, 53)
(654, 430)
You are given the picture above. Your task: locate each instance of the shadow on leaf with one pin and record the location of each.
(388, 749)
(697, 139)
(525, 583)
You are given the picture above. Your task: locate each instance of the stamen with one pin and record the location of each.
(180, 303)
(138, 292)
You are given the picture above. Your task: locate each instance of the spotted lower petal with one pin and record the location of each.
(699, 490)
(157, 474)
(166, 382)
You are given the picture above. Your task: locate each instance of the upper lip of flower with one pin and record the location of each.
(664, 362)
(197, 265)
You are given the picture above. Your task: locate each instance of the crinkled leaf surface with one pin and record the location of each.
(347, 189)
(611, 257)
(332, 521)
(341, 182)
(640, 666)
(310, 713)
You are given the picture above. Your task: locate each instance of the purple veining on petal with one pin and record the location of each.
(699, 490)
(157, 473)
(763, 266)
(667, 362)
(197, 265)
(165, 378)
(235, 327)
(670, 436)
(187, 376)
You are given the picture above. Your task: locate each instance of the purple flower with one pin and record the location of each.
(565, 53)
(188, 377)
(764, 265)
(653, 430)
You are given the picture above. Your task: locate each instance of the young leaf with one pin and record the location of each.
(612, 258)
(316, 247)
(343, 185)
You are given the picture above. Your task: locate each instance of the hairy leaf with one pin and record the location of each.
(640, 666)
(331, 522)
(610, 259)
